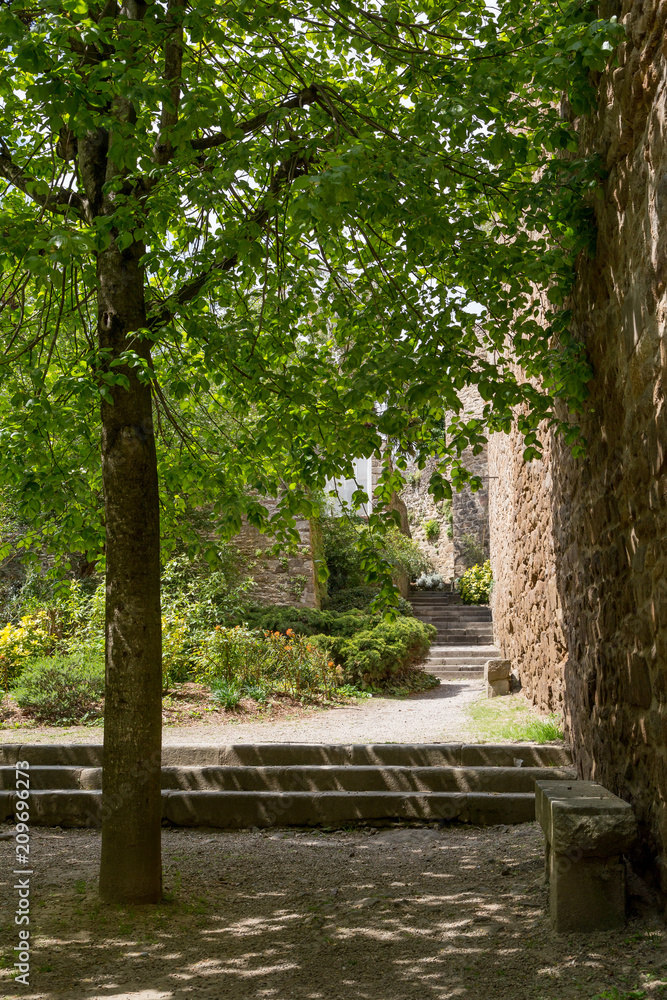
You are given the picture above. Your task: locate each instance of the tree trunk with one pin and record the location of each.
(130, 870)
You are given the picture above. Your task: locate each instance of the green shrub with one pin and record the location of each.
(257, 692)
(431, 530)
(227, 694)
(360, 598)
(341, 538)
(62, 689)
(475, 584)
(349, 598)
(381, 656)
(472, 550)
(309, 621)
(405, 555)
(290, 663)
(20, 643)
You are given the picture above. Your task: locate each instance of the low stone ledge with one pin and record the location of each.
(587, 829)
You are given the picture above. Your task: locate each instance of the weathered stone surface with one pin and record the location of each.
(497, 670)
(583, 818)
(470, 511)
(586, 896)
(578, 545)
(279, 580)
(498, 689)
(586, 830)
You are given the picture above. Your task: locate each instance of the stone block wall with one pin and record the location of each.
(286, 579)
(527, 611)
(467, 515)
(470, 514)
(605, 535)
(421, 507)
(610, 510)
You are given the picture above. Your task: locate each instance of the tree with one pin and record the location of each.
(287, 233)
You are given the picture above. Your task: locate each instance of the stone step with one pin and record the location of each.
(474, 628)
(308, 779)
(305, 754)
(437, 666)
(239, 809)
(459, 658)
(458, 640)
(457, 674)
(490, 651)
(454, 620)
(441, 657)
(285, 784)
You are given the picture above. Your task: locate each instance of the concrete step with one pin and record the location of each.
(238, 809)
(313, 779)
(305, 754)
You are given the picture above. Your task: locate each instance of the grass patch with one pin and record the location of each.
(511, 718)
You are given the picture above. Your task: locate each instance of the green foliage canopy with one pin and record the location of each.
(342, 209)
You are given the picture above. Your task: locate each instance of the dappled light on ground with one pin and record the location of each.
(399, 914)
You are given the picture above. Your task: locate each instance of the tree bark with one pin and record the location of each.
(130, 869)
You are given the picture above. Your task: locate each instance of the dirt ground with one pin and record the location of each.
(399, 914)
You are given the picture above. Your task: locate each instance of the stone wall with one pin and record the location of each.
(286, 579)
(527, 610)
(421, 508)
(605, 535)
(466, 516)
(470, 515)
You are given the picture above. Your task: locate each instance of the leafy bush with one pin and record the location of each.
(227, 694)
(343, 558)
(475, 584)
(266, 660)
(431, 529)
(342, 551)
(383, 655)
(361, 598)
(62, 688)
(177, 649)
(405, 555)
(19, 643)
(349, 598)
(309, 621)
(471, 550)
(430, 581)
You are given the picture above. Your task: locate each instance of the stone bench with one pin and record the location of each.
(587, 829)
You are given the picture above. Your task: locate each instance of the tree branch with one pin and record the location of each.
(173, 67)
(310, 95)
(58, 200)
(294, 166)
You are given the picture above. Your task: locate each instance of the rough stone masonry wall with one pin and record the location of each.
(286, 579)
(527, 610)
(606, 538)
(467, 515)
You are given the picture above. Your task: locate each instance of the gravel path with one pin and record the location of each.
(401, 914)
(436, 716)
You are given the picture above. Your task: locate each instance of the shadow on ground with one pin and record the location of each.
(429, 914)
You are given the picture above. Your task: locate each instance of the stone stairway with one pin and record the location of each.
(465, 634)
(292, 784)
